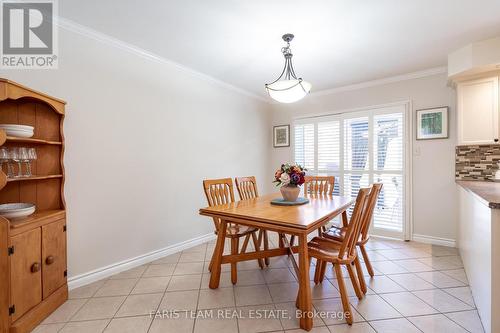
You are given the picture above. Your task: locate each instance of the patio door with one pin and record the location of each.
(360, 148)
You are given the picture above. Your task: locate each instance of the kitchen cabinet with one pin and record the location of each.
(477, 111)
(25, 272)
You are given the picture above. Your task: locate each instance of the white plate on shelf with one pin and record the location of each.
(17, 210)
(20, 131)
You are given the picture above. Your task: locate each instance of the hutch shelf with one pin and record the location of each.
(33, 273)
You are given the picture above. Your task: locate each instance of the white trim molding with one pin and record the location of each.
(434, 240)
(106, 39)
(383, 81)
(104, 272)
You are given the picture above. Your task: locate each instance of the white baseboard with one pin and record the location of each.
(386, 237)
(103, 272)
(434, 240)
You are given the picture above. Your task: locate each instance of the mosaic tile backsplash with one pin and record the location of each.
(476, 162)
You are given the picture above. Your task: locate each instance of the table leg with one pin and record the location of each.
(305, 301)
(217, 256)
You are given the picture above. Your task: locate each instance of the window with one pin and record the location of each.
(359, 149)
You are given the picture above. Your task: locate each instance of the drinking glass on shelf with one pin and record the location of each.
(15, 156)
(5, 158)
(31, 157)
(23, 156)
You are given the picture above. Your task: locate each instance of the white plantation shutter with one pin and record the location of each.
(329, 151)
(388, 212)
(352, 184)
(359, 149)
(304, 145)
(388, 154)
(356, 144)
(388, 142)
(329, 147)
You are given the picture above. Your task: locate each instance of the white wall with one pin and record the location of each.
(434, 191)
(141, 135)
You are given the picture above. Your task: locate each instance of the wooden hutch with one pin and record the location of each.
(33, 275)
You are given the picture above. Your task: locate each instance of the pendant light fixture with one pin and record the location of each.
(287, 88)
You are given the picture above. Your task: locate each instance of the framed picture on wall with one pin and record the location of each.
(432, 123)
(281, 136)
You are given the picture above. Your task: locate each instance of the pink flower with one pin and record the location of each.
(285, 179)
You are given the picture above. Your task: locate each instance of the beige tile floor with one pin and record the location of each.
(417, 288)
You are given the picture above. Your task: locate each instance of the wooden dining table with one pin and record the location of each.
(298, 221)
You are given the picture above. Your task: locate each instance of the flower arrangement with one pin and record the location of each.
(290, 175)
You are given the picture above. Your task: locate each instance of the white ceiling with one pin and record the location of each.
(336, 42)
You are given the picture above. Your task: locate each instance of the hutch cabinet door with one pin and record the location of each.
(53, 256)
(478, 112)
(25, 272)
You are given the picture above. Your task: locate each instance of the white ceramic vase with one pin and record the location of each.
(290, 192)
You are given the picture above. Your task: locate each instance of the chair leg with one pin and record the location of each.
(234, 251)
(323, 271)
(366, 260)
(211, 262)
(266, 246)
(257, 249)
(343, 294)
(354, 281)
(317, 271)
(361, 276)
(245, 244)
(281, 244)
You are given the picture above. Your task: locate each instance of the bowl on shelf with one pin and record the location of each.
(19, 131)
(16, 210)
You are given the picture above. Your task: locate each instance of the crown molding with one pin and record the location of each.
(74, 27)
(383, 81)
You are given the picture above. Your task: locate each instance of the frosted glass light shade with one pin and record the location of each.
(288, 91)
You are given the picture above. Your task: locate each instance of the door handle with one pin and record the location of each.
(35, 267)
(49, 260)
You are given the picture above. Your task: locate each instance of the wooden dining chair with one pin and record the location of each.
(338, 233)
(247, 189)
(344, 253)
(317, 185)
(219, 192)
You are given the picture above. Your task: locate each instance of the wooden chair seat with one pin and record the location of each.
(237, 231)
(342, 253)
(337, 234)
(324, 249)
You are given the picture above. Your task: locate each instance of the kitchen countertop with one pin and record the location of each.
(488, 192)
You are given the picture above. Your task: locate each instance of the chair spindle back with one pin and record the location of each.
(370, 207)
(352, 233)
(218, 192)
(247, 187)
(319, 185)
